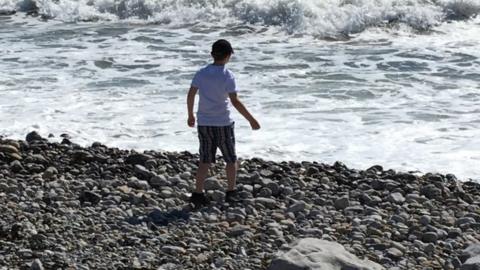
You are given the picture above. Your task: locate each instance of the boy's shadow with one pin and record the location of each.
(158, 217)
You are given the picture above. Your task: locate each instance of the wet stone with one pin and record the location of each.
(33, 136)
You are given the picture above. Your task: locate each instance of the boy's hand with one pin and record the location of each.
(191, 121)
(254, 124)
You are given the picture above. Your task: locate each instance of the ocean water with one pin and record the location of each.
(390, 82)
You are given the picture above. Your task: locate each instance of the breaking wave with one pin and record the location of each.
(322, 18)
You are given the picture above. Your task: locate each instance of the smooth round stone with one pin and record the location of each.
(396, 198)
(454, 233)
(238, 230)
(399, 246)
(275, 232)
(414, 198)
(166, 193)
(430, 248)
(394, 253)
(277, 216)
(218, 195)
(287, 190)
(212, 184)
(342, 203)
(159, 181)
(248, 188)
(201, 258)
(429, 237)
(297, 207)
(5, 148)
(464, 221)
(186, 175)
(431, 191)
(298, 195)
(174, 250)
(174, 180)
(142, 184)
(274, 187)
(151, 163)
(398, 218)
(264, 192)
(143, 172)
(425, 220)
(325, 180)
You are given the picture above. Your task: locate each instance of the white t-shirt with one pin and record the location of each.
(214, 83)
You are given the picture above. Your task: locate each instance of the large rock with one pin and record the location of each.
(472, 264)
(34, 136)
(317, 254)
(471, 251)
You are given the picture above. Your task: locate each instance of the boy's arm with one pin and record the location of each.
(190, 102)
(243, 110)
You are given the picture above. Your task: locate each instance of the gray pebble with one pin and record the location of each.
(297, 207)
(212, 184)
(342, 203)
(429, 237)
(396, 198)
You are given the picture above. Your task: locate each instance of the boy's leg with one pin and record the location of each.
(207, 155)
(227, 146)
(232, 195)
(202, 173)
(231, 169)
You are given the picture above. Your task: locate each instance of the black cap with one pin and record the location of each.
(222, 47)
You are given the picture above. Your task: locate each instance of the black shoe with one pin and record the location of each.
(232, 197)
(198, 199)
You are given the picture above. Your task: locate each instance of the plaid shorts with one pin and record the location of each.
(212, 138)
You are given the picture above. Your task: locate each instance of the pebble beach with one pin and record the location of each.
(64, 206)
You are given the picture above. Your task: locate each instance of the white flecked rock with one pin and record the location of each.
(317, 254)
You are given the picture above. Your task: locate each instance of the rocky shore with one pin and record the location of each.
(63, 206)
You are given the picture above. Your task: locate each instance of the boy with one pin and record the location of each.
(215, 84)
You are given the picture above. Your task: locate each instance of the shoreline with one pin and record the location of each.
(350, 164)
(64, 205)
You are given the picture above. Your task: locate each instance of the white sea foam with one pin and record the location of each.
(324, 19)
